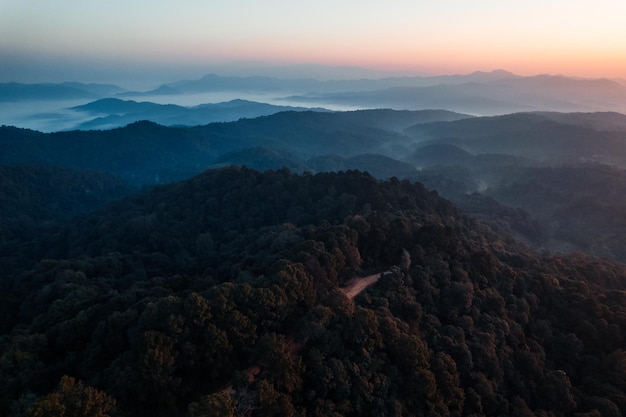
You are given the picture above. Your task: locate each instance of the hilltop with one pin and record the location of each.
(223, 294)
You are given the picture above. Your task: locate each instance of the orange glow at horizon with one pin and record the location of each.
(434, 59)
(574, 37)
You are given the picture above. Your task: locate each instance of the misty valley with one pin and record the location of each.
(256, 246)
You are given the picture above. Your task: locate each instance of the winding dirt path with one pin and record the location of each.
(357, 285)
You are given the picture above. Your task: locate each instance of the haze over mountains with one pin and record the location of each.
(187, 250)
(510, 170)
(479, 93)
(450, 151)
(288, 209)
(114, 112)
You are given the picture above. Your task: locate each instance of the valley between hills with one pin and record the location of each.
(148, 260)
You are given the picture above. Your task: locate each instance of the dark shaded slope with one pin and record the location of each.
(456, 157)
(379, 166)
(47, 194)
(116, 113)
(34, 200)
(230, 280)
(263, 158)
(559, 176)
(580, 207)
(527, 135)
(602, 121)
(141, 153)
(146, 153)
(229, 202)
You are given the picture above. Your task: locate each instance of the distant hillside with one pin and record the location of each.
(15, 92)
(216, 82)
(263, 158)
(377, 165)
(488, 97)
(114, 112)
(556, 185)
(49, 193)
(509, 160)
(543, 138)
(37, 199)
(102, 90)
(602, 121)
(147, 153)
(160, 91)
(480, 94)
(580, 207)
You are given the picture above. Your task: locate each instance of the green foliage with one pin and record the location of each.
(223, 295)
(35, 200)
(219, 404)
(73, 399)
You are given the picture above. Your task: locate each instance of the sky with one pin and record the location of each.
(147, 40)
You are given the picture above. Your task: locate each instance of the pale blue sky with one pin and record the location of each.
(580, 38)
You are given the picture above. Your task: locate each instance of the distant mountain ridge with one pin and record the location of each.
(117, 113)
(480, 93)
(15, 92)
(547, 138)
(145, 152)
(493, 167)
(215, 83)
(493, 97)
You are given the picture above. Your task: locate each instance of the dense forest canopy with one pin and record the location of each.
(551, 180)
(222, 295)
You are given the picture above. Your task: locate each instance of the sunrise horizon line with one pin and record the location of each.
(270, 69)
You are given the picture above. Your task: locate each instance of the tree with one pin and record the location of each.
(219, 404)
(279, 365)
(73, 399)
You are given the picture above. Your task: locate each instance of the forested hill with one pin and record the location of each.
(147, 153)
(35, 200)
(220, 295)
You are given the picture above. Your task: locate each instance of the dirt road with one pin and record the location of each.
(357, 285)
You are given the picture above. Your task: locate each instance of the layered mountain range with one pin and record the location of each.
(523, 171)
(215, 98)
(185, 260)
